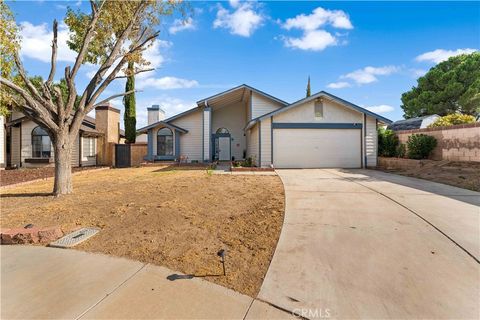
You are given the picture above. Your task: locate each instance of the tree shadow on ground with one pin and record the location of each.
(26, 195)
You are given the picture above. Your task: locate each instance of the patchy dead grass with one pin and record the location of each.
(176, 218)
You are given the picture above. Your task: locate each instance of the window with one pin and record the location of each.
(88, 147)
(318, 108)
(41, 144)
(222, 130)
(165, 142)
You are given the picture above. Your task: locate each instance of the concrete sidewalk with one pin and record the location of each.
(47, 283)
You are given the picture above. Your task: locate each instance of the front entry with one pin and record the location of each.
(223, 148)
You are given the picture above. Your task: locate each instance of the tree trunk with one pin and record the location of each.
(62, 147)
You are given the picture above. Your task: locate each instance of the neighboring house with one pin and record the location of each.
(315, 132)
(30, 146)
(3, 143)
(413, 123)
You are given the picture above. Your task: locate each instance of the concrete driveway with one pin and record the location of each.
(367, 244)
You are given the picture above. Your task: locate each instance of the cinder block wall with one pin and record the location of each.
(455, 143)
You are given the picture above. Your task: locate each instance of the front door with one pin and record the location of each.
(224, 148)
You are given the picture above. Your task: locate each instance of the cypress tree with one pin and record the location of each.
(308, 88)
(130, 117)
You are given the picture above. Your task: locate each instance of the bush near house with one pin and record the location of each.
(387, 143)
(453, 119)
(401, 151)
(420, 146)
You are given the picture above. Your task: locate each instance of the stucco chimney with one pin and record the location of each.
(155, 113)
(107, 121)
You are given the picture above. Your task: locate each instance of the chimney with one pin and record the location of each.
(107, 121)
(155, 114)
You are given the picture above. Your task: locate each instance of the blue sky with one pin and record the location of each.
(366, 52)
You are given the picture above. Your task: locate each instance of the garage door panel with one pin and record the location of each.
(316, 148)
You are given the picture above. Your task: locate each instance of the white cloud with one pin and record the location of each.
(416, 73)
(242, 21)
(166, 83)
(315, 38)
(440, 55)
(181, 25)
(369, 74)
(339, 85)
(37, 40)
(383, 108)
(319, 18)
(171, 105)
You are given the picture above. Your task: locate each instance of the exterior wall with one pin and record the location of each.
(253, 145)
(262, 105)
(76, 152)
(371, 141)
(15, 146)
(16, 114)
(3, 135)
(138, 151)
(332, 113)
(207, 129)
(233, 118)
(107, 121)
(455, 143)
(265, 143)
(88, 161)
(191, 142)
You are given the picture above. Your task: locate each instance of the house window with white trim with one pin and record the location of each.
(41, 144)
(318, 108)
(165, 142)
(88, 147)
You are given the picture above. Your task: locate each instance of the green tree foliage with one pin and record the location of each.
(453, 119)
(129, 117)
(387, 143)
(452, 86)
(309, 93)
(420, 146)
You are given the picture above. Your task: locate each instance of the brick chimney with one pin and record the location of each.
(155, 114)
(107, 121)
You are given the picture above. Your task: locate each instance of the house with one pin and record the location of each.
(28, 144)
(315, 132)
(413, 123)
(3, 143)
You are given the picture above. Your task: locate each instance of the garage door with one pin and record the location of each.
(316, 148)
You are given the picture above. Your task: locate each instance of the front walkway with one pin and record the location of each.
(368, 244)
(47, 283)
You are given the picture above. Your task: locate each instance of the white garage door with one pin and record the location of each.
(316, 148)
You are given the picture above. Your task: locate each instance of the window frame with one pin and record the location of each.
(90, 147)
(318, 104)
(38, 151)
(167, 140)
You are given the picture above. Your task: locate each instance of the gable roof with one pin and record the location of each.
(242, 86)
(313, 97)
(163, 122)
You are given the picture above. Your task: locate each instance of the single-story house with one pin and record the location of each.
(413, 123)
(319, 131)
(29, 145)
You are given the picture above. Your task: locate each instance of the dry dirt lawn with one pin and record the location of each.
(172, 217)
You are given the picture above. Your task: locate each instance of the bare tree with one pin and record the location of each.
(62, 118)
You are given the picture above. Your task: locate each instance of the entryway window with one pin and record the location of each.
(165, 142)
(88, 147)
(41, 144)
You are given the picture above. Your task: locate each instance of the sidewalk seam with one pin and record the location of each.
(110, 293)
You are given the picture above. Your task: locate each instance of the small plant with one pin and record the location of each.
(387, 143)
(420, 146)
(453, 119)
(401, 151)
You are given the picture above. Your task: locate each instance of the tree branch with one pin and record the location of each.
(115, 96)
(135, 73)
(54, 54)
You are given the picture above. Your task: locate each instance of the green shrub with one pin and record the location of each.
(387, 143)
(420, 146)
(400, 151)
(452, 119)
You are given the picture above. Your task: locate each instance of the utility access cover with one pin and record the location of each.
(74, 238)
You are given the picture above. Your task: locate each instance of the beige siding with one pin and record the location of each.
(16, 114)
(371, 142)
(191, 142)
(206, 133)
(262, 105)
(266, 142)
(75, 153)
(332, 113)
(89, 160)
(253, 144)
(232, 118)
(15, 146)
(2, 142)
